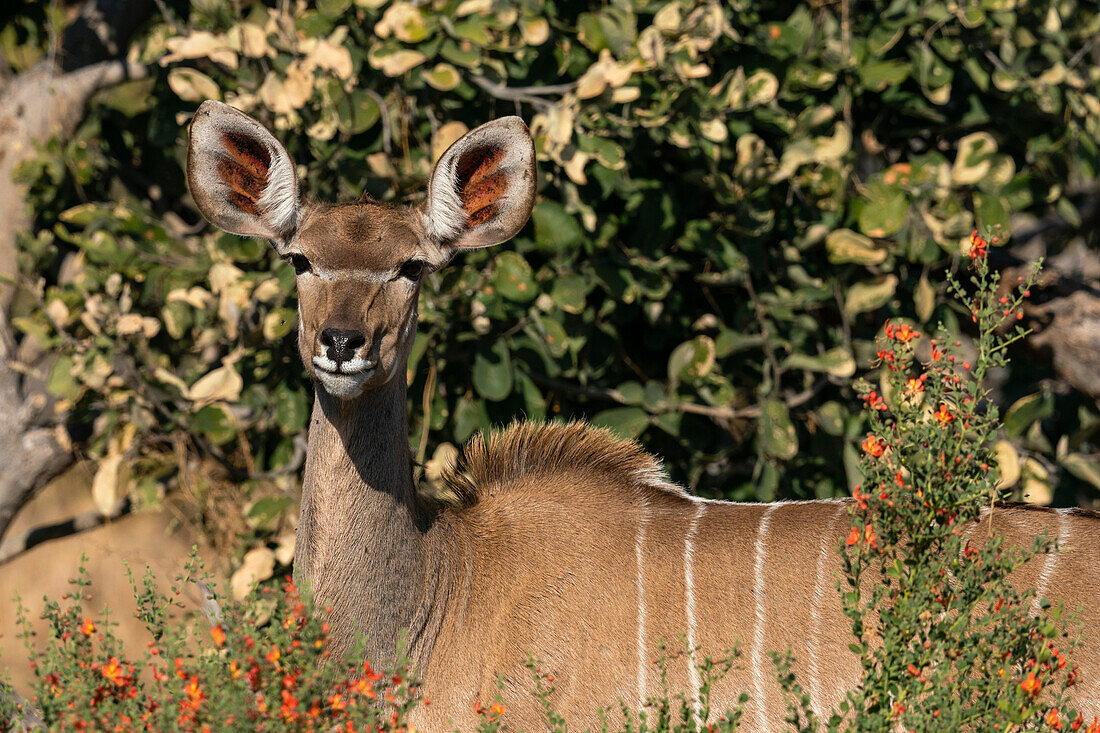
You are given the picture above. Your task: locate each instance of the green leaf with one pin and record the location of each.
(778, 438)
(266, 510)
(61, 382)
(216, 422)
(493, 372)
(870, 294)
(1027, 410)
(627, 422)
(513, 277)
(836, 361)
(333, 8)
(844, 245)
(442, 77)
(357, 112)
(880, 74)
(291, 409)
(569, 293)
(691, 359)
(831, 415)
(1086, 468)
(555, 228)
(884, 213)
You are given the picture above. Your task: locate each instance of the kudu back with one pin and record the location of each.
(562, 542)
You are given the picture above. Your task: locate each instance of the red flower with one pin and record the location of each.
(977, 246)
(874, 401)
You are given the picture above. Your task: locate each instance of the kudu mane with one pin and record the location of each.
(559, 455)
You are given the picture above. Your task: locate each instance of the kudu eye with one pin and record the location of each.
(299, 262)
(412, 270)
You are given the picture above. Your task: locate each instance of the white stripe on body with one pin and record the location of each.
(689, 590)
(757, 657)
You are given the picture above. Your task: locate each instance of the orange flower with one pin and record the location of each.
(1095, 726)
(113, 671)
(337, 702)
(943, 415)
(218, 634)
(915, 385)
(273, 655)
(904, 334)
(870, 537)
(853, 537)
(87, 628)
(873, 446)
(1053, 720)
(1032, 685)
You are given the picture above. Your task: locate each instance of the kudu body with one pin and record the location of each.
(563, 543)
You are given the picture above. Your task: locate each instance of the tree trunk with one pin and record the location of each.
(47, 100)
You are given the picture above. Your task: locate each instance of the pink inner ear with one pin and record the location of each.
(480, 184)
(245, 171)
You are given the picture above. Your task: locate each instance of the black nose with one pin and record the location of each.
(341, 345)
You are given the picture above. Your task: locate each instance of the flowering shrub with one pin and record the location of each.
(953, 644)
(261, 666)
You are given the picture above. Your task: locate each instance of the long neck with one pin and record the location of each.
(363, 545)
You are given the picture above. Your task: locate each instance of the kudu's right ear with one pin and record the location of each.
(241, 177)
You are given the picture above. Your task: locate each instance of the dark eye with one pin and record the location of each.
(412, 270)
(299, 263)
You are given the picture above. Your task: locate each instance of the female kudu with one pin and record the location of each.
(563, 543)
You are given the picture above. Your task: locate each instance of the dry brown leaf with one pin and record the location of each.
(221, 385)
(257, 566)
(192, 86)
(445, 136)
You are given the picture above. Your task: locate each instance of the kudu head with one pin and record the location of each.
(359, 265)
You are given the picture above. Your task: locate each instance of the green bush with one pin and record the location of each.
(732, 195)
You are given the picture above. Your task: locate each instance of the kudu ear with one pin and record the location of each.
(482, 189)
(241, 177)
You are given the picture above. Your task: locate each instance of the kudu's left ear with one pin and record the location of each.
(241, 177)
(482, 189)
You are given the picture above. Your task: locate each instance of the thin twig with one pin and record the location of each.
(765, 332)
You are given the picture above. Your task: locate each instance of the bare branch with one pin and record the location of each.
(30, 717)
(531, 95)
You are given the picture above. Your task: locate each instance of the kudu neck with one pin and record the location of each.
(363, 545)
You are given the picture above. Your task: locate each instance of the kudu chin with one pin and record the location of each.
(562, 542)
